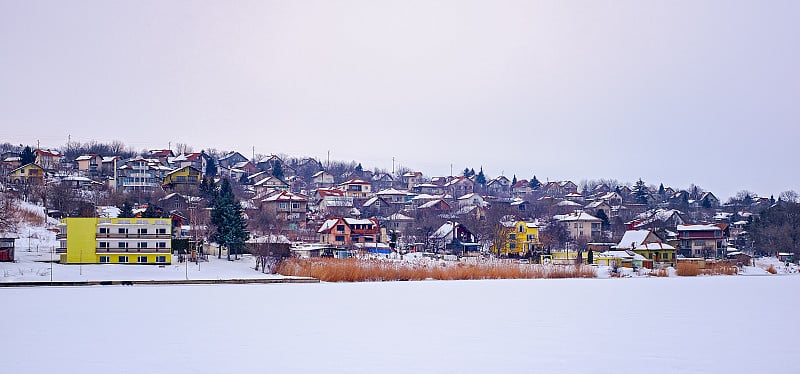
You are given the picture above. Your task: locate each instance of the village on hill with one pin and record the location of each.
(157, 207)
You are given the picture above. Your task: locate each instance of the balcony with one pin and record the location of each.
(133, 250)
(133, 236)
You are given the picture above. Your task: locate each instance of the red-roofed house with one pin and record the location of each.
(47, 159)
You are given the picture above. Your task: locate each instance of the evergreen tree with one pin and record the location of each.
(466, 172)
(211, 168)
(126, 210)
(604, 217)
(535, 184)
(480, 179)
(661, 190)
(277, 170)
(228, 219)
(151, 212)
(514, 180)
(471, 173)
(640, 192)
(359, 170)
(27, 156)
(208, 188)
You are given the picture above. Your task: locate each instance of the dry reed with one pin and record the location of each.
(356, 270)
(691, 269)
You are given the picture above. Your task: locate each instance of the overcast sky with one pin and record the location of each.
(678, 92)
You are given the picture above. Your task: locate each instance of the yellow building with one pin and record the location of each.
(115, 240)
(27, 174)
(518, 239)
(183, 176)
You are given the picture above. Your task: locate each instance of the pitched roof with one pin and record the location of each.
(577, 216)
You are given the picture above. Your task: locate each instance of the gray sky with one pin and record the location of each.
(678, 92)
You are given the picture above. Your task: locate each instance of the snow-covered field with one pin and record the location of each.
(35, 253)
(722, 324)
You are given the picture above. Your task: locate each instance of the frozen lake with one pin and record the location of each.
(717, 324)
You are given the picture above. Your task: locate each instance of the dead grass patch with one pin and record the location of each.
(356, 270)
(771, 269)
(691, 269)
(659, 273)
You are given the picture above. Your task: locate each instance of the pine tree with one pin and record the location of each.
(359, 169)
(126, 210)
(661, 190)
(640, 192)
(471, 173)
(277, 170)
(211, 168)
(228, 220)
(535, 184)
(514, 180)
(150, 212)
(604, 217)
(481, 178)
(27, 156)
(466, 172)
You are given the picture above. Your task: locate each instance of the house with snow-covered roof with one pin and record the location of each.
(454, 238)
(347, 232)
(517, 238)
(411, 178)
(231, 158)
(649, 245)
(499, 186)
(459, 186)
(27, 174)
(356, 188)
(182, 178)
(89, 164)
(322, 179)
(48, 159)
(703, 240)
(287, 207)
(581, 225)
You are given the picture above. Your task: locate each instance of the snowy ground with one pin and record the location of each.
(642, 325)
(35, 250)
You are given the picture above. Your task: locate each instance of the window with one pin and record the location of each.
(521, 228)
(104, 230)
(122, 245)
(103, 244)
(141, 245)
(283, 205)
(340, 228)
(104, 259)
(512, 245)
(161, 259)
(122, 231)
(531, 238)
(295, 206)
(161, 231)
(161, 245)
(339, 238)
(122, 259)
(512, 236)
(141, 231)
(141, 259)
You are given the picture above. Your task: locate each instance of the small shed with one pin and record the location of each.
(786, 257)
(7, 248)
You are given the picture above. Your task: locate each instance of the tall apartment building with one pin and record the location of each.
(115, 240)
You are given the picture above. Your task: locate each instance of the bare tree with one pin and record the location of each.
(789, 196)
